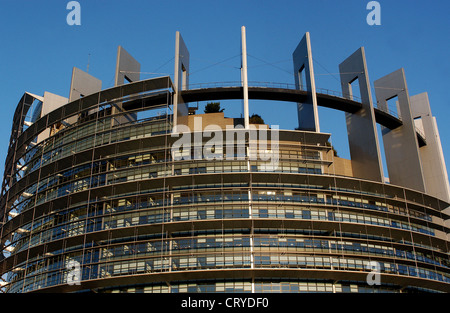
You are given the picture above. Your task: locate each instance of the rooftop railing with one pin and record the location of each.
(270, 85)
(228, 84)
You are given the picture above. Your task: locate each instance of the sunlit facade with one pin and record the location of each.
(96, 199)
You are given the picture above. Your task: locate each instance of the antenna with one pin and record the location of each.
(89, 60)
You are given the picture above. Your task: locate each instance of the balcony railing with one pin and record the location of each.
(260, 84)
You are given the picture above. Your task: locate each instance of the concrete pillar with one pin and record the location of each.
(127, 69)
(432, 157)
(51, 102)
(308, 116)
(361, 126)
(181, 81)
(400, 145)
(83, 84)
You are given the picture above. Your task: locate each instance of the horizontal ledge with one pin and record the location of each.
(246, 223)
(239, 273)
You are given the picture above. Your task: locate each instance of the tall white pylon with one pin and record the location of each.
(244, 77)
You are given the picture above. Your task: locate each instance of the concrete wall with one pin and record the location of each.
(209, 119)
(340, 166)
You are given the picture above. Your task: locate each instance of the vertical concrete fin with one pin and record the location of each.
(400, 144)
(181, 80)
(361, 126)
(433, 162)
(83, 84)
(51, 102)
(127, 68)
(308, 116)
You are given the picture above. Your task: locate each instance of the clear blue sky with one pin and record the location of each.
(39, 49)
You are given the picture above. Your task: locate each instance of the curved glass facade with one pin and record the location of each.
(104, 205)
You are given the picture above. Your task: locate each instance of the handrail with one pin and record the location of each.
(388, 111)
(260, 84)
(229, 84)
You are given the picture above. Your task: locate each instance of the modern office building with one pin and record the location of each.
(124, 189)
